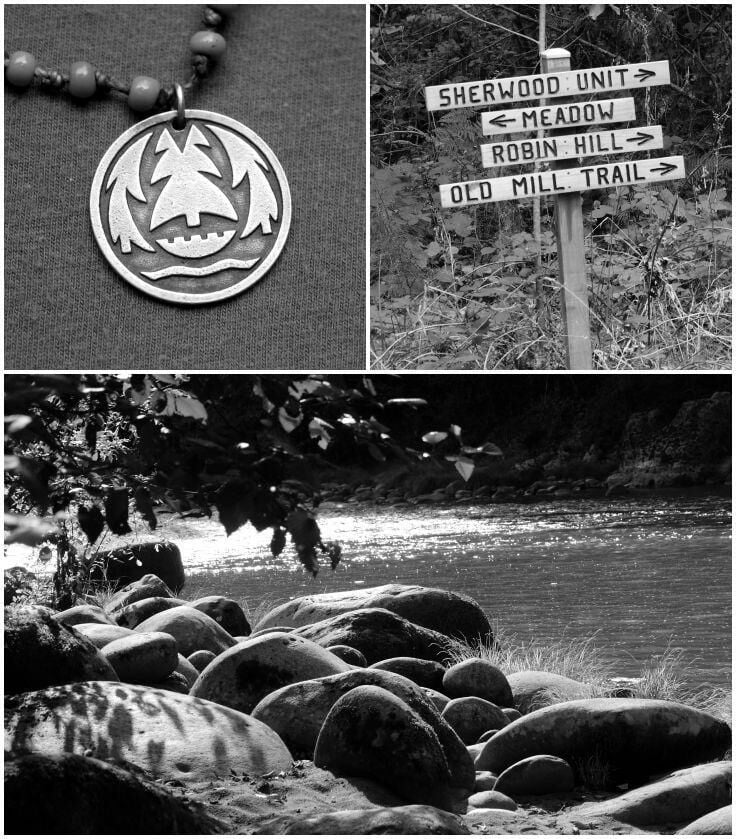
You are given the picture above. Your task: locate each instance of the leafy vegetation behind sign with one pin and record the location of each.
(473, 288)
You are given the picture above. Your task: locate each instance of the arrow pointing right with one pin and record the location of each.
(640, 138)
(664, 168)
(501, 120)
(644, 74)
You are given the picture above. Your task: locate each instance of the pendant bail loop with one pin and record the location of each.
(179, 120)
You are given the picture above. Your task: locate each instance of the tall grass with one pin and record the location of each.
(576, 658)
(664, 676)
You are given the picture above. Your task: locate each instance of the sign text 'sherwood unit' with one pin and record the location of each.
(547, 85)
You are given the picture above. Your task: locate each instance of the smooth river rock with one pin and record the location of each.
(470, 716)
(422, 672)
(71, 794)
(192, 629)
(535, 689)
(149, 585)
(228, 613)
(446, 612)
(242, 676)
(681, 796)
(634, 737)
(477, 677)
(297, 712)
(168, 734)
(128, 564)
(370, 733)
(40, 651)
(538, 775)
(716, 823)
(378, 634)
(135, 613)
(100, 634)
(142, 657)
(84, 613)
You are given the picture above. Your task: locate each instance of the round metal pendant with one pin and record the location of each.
(190, 215)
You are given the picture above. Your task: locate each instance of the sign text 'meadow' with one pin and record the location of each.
(571, 146)
(563, 180)
(547, 85)
(601, 112)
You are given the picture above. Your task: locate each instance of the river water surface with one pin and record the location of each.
(638, 573)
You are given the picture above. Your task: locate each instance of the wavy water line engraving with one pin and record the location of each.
(203, 271)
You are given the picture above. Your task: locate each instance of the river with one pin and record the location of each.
(638, 573)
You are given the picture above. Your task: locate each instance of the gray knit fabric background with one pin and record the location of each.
(295, 74)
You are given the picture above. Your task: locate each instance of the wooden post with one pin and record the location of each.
(571, 251)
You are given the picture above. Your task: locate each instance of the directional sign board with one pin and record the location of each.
(562, 180)
(600, 112)
(571, 146)
(547, 86)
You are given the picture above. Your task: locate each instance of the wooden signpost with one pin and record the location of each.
(557, 80)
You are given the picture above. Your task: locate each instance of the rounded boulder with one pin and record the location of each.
(632, 737)
(84, 613)
(470, 716)
(477, 677)
(680, 796)
(370, 733)
(535, 689)
(422, 672)
(192, 629)
(491, 799)
(101, 634)
(348, 654)
(224, 611)
(71, 794)
(170, 735)
(446, 612)
(40, 651)
(142, 657)
(125, 565)
(297, 713)
(242, 676)
(149, 585)
(200, 659)
(134, 614)
(378, 634)
(716, 823)
(538, 775)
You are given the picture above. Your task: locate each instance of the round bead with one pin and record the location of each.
(207, 43)
(82, 83)
(223, 8)
(143, 94)
(20, 69)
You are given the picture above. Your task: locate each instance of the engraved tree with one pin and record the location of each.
(187, 192)
(125, 179)
(245, 160)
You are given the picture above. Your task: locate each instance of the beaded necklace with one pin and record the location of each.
(212, 190)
